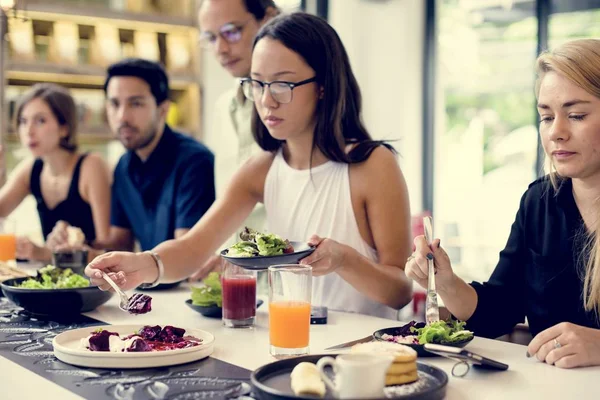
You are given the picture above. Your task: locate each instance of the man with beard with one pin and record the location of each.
(165, 181)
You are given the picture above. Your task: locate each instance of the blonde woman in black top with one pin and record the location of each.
(67, 184)
(549, 271)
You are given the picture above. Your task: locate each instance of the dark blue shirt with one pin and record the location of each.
(539, 275)
(172, 189)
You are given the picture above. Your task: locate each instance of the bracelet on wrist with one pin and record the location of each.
(159, 266)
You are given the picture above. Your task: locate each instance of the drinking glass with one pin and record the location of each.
(289, 309)
(239, 296)
(8, 240)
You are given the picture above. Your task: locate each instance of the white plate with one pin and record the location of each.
(67, 349)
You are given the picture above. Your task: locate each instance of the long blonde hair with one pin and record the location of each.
(579, 62)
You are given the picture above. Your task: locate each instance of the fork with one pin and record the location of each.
(123, 305)
(432, 313)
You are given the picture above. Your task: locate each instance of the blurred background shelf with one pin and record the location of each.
(178, 15)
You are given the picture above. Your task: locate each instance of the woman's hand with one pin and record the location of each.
(327, 257)
(567, 345)
(417, 268)
(28, 250)
(58, 238)
(128, 270)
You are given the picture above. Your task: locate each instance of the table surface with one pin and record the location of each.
(249, 348)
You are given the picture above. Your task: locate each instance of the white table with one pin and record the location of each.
(249, 348)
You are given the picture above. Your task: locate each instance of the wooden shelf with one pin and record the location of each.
(53, 10)
(75, 75)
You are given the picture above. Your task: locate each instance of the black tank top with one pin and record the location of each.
(74, 210)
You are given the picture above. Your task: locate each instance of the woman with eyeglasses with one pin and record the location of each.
(322, 180)
(549, 271)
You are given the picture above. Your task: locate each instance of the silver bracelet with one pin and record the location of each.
(161, 270)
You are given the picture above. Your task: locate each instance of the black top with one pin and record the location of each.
(74, 210)
(541, 269)
(172, 189)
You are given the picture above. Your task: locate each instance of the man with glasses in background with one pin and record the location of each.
(228, 28)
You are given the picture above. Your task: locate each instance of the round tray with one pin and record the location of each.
(272, 381)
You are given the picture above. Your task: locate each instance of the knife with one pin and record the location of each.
(352, 343)
(432, 313)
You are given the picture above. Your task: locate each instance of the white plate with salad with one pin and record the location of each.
(258, 251)
(416, 334)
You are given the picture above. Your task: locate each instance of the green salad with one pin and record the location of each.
(51, 277)
(443, 332)
(210, 294)
(255, 243)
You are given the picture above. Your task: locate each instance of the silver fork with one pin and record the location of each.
(432, 313)
(123, 305)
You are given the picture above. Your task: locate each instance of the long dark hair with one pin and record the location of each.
(338, 112)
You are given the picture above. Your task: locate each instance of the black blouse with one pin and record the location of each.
(74, 209)
(541, 269)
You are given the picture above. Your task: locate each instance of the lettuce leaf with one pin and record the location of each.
(210, 294)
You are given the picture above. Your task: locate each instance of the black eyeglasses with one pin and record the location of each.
(281, 91)
(232, 33)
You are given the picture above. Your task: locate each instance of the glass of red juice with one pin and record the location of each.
(239, 296)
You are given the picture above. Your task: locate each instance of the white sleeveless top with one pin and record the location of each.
(300, 203)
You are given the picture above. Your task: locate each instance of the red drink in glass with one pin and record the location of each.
(239, 297)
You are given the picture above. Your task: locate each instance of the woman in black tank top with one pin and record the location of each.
(67, 185)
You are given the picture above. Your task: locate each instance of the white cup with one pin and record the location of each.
(356, 375)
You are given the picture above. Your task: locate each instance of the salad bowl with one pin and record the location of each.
(68, 302)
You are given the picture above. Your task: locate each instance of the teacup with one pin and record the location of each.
(356, 375)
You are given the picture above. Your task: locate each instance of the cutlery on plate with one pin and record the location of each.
(432, 313)
(351, 343)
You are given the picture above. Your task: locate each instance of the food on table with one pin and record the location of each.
(147, 338)
(51, 277)
(306, 380)
(255, 244)
(441, 332)
(139, 304)
(8, 271)
(75, 236)
(404, 367)
(210, 294)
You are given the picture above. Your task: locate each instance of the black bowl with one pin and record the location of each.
(213, 311)
(419, 348)
(264, 262)
(54, 302)
(74, 259)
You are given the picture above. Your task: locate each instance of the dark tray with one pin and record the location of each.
(272, 382)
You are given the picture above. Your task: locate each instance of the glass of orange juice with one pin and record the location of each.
(8, 240)
(290, 288)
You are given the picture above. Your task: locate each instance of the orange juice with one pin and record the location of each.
(289, 323)
(8, 246)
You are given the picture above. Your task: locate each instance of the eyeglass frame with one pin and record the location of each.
(291, 85)
(237, 28)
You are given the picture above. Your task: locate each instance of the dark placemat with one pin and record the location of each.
(27, 341)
